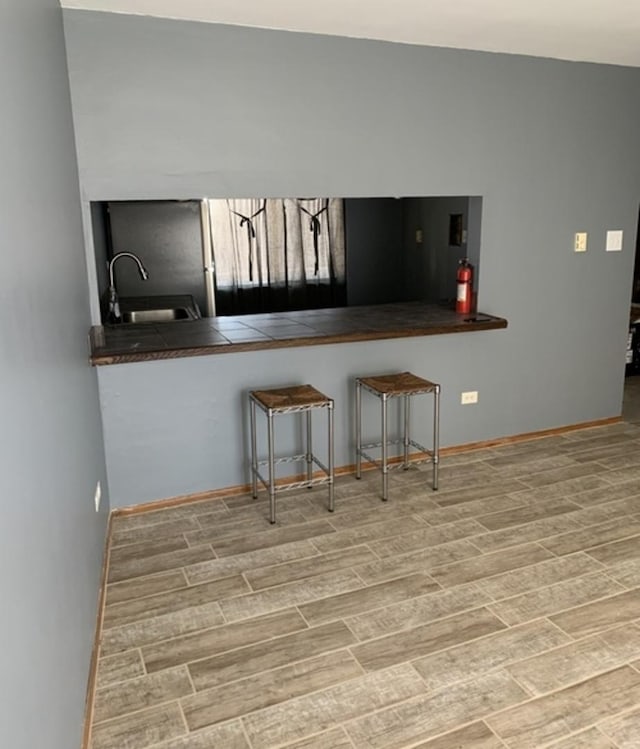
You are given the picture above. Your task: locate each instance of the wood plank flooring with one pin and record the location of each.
(501, 611)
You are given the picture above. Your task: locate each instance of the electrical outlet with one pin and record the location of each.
(419, 236)
(471, 396)
(580, 242)
(98, 496)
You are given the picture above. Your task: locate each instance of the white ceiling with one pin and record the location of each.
(605, 31)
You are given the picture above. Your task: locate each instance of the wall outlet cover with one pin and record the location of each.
(614, 240)
(471, 396)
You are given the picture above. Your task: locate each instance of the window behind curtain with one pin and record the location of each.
(276, 254)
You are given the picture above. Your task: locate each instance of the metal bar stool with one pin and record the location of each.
(385, 387)
(290, 400)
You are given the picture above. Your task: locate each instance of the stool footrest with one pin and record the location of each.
(413, 459)
(413, 443)
(302, 458)
(319, 481)
(295, 459)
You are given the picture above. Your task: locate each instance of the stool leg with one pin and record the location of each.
(272, 477)
(254, 458)
(309, 449)
(406, 431)
(385, 477)
(331, 463)
(436, 435)
(358, 429)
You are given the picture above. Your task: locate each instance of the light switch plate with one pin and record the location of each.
(580, 242)
(614, 240)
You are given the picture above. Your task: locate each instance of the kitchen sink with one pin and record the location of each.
(168, 314)
(158, 308)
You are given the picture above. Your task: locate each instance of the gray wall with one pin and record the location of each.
(170, 109)
(51, 539)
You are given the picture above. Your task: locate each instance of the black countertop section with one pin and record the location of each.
(218, 335)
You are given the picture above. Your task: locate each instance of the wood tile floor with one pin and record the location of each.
(501, 611)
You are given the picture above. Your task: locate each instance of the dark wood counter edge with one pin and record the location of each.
(99, 360)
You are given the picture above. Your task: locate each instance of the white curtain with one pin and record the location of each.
(315, 239)
(277, 242)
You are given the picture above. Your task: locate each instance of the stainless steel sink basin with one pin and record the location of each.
(158, 308)
(157, 315)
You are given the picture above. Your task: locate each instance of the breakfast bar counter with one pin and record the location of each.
(119, 344)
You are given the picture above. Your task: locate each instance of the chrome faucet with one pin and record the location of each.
(113, 309)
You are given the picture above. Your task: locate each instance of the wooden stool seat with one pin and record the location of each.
(302, 399)
(291, 398)
(403, 385)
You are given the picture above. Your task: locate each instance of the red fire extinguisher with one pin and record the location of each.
(464, 279)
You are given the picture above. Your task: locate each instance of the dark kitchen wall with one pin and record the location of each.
(430, 271)
(375, 257)
(167, 238)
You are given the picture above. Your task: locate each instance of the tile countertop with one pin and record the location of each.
(219, 335)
